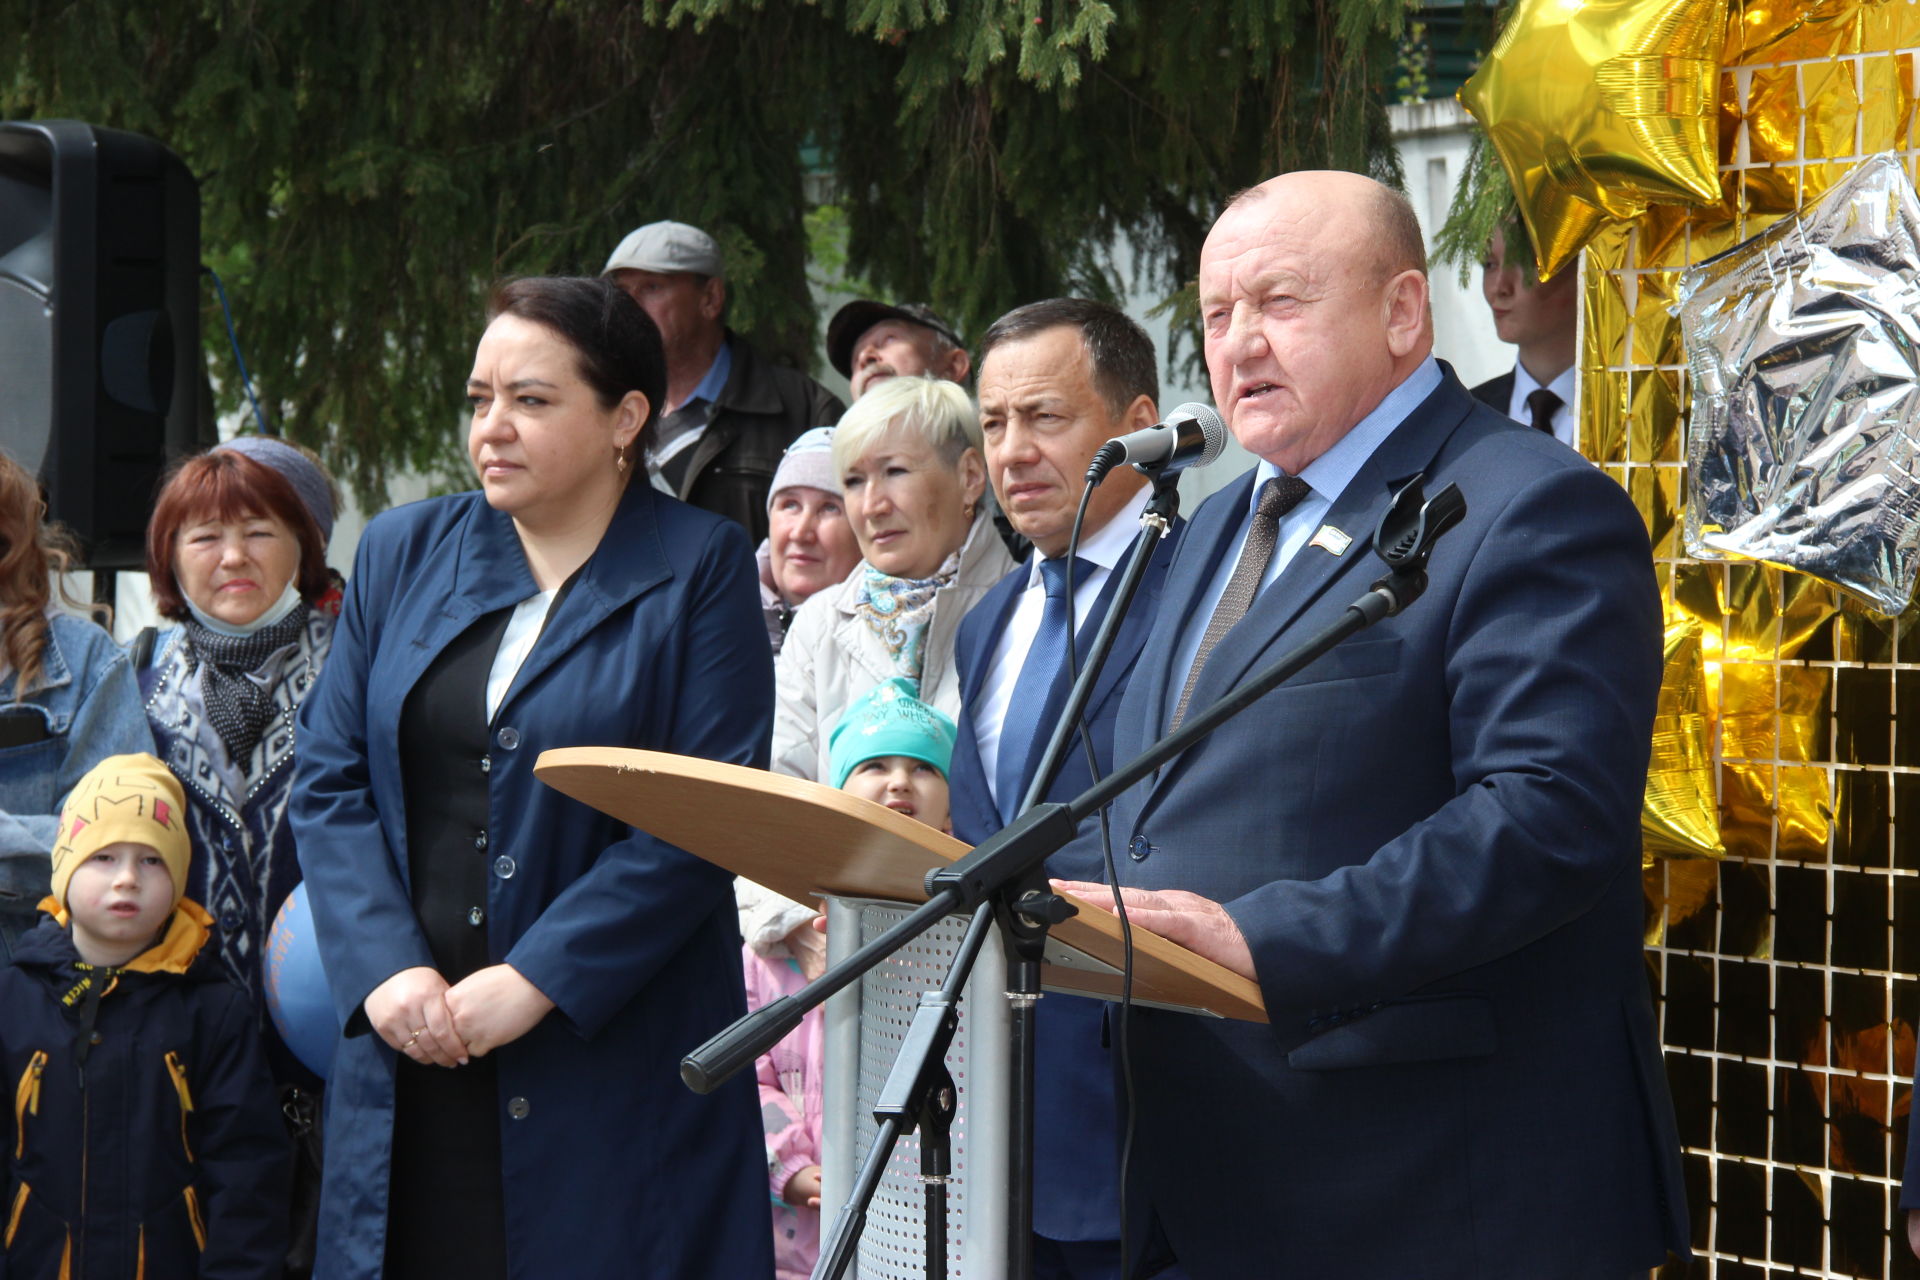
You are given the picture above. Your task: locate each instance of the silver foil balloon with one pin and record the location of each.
(1804, 348)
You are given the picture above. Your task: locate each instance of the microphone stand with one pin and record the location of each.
(1023, 932)
(1005, 878)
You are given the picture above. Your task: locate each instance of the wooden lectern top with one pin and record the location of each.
(804, 839)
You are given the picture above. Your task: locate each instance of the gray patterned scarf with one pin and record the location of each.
(240, 707)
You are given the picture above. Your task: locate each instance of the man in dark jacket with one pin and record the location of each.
(145, 1138)
(1058, 379)
(729, 413)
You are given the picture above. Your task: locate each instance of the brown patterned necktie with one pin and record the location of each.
(1278, 496)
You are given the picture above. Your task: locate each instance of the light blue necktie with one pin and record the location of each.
(1020, 731)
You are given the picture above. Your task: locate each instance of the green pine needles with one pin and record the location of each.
(368, 170)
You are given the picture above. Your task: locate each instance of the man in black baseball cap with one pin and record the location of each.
(868, 341)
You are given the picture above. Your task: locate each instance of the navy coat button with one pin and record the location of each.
(476, 917)
(95, 1038)
(486, 764)
(509, 738)
(480, 842)
(503, 867)
(1138, 848)
(519, 1108)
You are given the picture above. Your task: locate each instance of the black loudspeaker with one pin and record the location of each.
(100, 359)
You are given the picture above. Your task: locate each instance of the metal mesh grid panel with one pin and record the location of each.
(893, 1246)
(1786, 975)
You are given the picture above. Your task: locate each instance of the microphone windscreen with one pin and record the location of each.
(1212, 429)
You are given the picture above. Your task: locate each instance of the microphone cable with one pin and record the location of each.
(1121, 1043)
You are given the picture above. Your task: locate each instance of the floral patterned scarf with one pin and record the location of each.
(899, 610)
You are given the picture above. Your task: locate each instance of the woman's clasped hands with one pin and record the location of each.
(419, 1015)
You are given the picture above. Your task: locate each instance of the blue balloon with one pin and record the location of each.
(297, 994)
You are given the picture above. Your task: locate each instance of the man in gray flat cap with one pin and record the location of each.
(869, 341)
(729, 413)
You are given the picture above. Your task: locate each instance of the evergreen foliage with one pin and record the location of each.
(368, 169)
(1483, 202)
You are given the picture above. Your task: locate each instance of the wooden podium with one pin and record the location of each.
(808, 841)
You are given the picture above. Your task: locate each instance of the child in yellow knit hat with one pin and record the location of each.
(145, 1138)
(120, 858)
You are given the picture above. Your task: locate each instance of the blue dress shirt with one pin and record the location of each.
(1328, 475)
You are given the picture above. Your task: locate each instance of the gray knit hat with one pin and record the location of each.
(309, 482)
(808, 461)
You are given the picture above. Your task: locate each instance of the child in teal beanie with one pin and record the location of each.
(893, 749)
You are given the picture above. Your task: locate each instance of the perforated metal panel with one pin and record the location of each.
(866, 1026)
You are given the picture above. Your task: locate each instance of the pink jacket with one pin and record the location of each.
(791, 1081)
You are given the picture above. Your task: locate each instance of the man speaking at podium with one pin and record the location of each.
(1425, 846)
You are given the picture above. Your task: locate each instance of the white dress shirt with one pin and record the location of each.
(516, 642)
(1525, 384)
(1104, 549)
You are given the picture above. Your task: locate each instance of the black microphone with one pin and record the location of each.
(1192, 436)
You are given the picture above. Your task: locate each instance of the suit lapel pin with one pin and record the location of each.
(1331, 539)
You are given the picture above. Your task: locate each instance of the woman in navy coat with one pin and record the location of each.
(518, 974)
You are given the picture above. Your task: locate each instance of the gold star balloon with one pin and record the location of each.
(1599, 108)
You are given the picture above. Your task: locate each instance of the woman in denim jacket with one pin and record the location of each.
(67, 700)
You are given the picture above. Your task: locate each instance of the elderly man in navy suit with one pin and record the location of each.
(1057, 380)
(1425, 846)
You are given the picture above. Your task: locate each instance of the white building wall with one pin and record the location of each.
(1433, 138)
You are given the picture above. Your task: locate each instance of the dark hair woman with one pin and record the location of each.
(236, 558)
(67, 699)
(530, 969)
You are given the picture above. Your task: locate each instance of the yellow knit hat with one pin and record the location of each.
(123, 798)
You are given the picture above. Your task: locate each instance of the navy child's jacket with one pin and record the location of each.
(144, 1139)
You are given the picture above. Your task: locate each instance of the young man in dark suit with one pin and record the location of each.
(1540, 318)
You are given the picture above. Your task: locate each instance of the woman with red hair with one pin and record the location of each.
(236, 552)
(67, 699)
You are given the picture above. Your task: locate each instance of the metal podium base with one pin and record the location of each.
(864, 1026)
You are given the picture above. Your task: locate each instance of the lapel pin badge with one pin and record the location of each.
(1331, 539)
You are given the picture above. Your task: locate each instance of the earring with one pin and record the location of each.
(620, 460)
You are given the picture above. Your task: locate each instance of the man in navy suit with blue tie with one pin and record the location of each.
(1425, 846)
(1057, 380)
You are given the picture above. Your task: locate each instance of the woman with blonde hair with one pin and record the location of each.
(912, 469)
(67, 699)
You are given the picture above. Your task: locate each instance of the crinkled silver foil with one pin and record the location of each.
(1804, 349)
